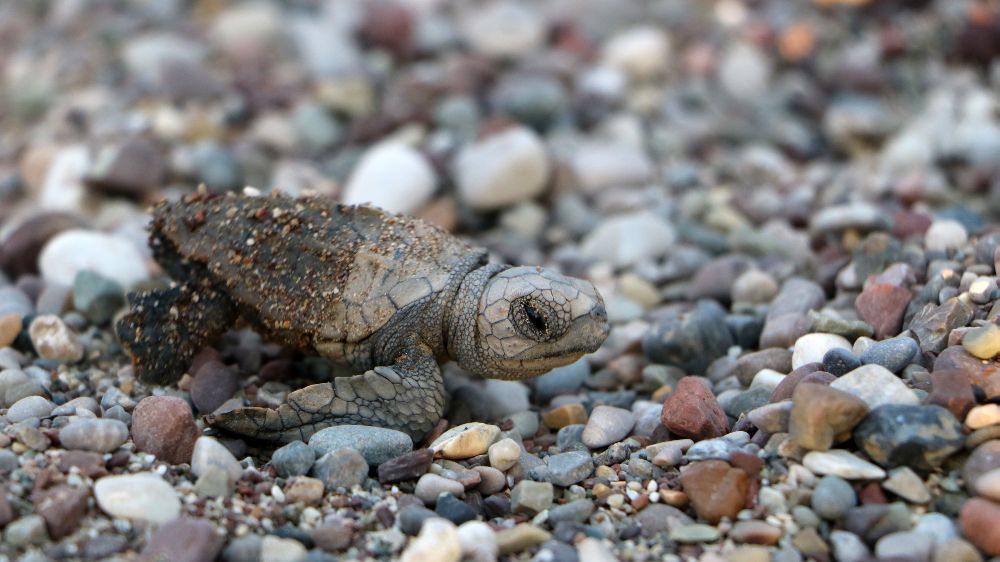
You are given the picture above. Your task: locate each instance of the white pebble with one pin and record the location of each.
(478, 542)
(143, 496)
(72, 251)
(944, 235)
(641, 52)
(392, 176)
(811, 348)
(438, 541)
(54, 340)
(502, 169)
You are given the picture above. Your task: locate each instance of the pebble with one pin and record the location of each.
(52, 339)
(531, 497)
(503, 169)
(772, 418)
(839, 361)
(491, 480)
(63, 508)
(213, 384)
(876, 385)
(988, 484)
(438, 540)
(97, 297)
(185, 538)
(566, 469)
(626, 239)
(75, 250)
(15, 385)
(982, 342)
(599, 166)
(904, 545)
(822, 416)
(641, 52)
(164, 426)
(576, 511)
(27, 530)
(29, 407)
(520, 537)
(883, 306)
(838, 462)
(811, 348)
(744, 71)
(561, 380)
(715, 488)
(209, 452)
(694, 533)
(692, 411)
(478, 542)
(430, 486)
(305, 489)
(466, 440)
(144, 496)
(906, 484)
(983, 416)
(945, 235)
(392, 176)
(894, 354)
(334, 534)
(607, 425)
(984, 458)
(454, 509)
(980, 523)
(832, 497)
(750, 364)
(407, 466)
(504, 454)
(504, 29)
(277, 549)
(692, 341)
(921, 437)
(98, 435)
(755, 532)
(341, 468)
(376, 444)
(293, 459)
(10, 327)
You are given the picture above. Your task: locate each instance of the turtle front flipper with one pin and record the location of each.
(166, 328)
(408, 396)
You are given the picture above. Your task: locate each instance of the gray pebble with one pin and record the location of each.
(894, 354)
(29, 407)
(576, 511)
(96, 296)
(15, 385)
(293, 459)
(566, 469)
(341, 468)
(832, 497)
(98, 435)
(376, 444)
(25, 531)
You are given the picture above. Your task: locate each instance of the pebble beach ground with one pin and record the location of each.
(792, 210)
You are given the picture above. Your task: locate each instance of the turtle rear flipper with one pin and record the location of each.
(166, 328)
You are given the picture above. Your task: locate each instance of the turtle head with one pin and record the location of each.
(530, 320)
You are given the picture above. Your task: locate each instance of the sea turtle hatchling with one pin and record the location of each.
(389, 296)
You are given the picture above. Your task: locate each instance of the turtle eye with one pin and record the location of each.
(535, 317)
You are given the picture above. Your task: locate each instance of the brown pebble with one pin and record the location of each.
(213, 384)
(950, 389)
(822, 416)
(755, 532)
(406, 466)
(62, 507)
(89, 463)
(716, 489)
(980, 523)
(184, 540)
(164, 426)
(787, 385)
(882, 305)
(10, 327)
(692, 411)
(567, 414)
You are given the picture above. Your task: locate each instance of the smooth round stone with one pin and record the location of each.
(26, 531)
(97, 297)
(293, 459)
(566, 469)
(944, 235)
(376, 444)
(504, 29)
(10, 327)
(988, 484)
(438, 540)
(504, 454)
(838, 462)
(491, 480)
(904, 545)
(144, 496)
(624, 240)
(29, 407)
(98, 435)
(430, 486)
(983, 342)
(213, 384)
(811, 348)
(466, 440)
(604, 165)
(692, 341)
(52, 339)
(938, 526)
(772, 418)
(982, 416)
(641, 52)
(839, 361)
(164, 426)
(832, 497)
(894, 354)
(877, 386)
(73, 251)
(13, 301)
(607, 425)
(209, 452)
(393, 176)
(15, 385)
(278, 549)
(478, 541)
(503, 169)
(744, 71)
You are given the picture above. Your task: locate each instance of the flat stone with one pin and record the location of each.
(607, 425)
(755, 532)
(749, 364)
(904, 545)
(376, 444)
(406, 466)
(877, 386)
(844, 464)
(932, 324)
(921, 437)
(466, 440)
(143, 496)
(520, 537)
(694, 533)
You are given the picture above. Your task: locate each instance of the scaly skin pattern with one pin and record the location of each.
(390, 296)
